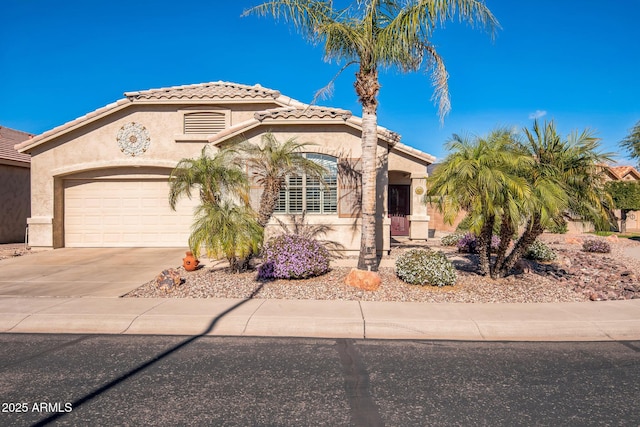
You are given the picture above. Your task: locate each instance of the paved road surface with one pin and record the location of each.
(168, 380)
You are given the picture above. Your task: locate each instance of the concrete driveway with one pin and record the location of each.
(78, 272)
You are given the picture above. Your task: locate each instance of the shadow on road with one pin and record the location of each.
(135, 371)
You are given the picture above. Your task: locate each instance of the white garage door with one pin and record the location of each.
(124, 213)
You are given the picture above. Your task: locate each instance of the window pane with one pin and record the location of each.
(330, 202)
(313, 200)
(306, 193)
(295, 200)
(295, 181)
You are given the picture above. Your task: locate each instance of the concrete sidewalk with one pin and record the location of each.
(589, 321)
(88, 308)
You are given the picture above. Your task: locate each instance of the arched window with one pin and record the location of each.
(307, 194)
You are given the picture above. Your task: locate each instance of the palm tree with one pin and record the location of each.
(213, 176)
(271, 162)
(378, 34)
(565, 178)
(224, 222)
(528, 184)
(483, 177)
(227, 230)
(632, 142)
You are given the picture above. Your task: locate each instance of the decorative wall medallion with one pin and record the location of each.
(133, 139)
(419, 190)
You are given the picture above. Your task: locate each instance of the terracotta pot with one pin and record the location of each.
(190, 263)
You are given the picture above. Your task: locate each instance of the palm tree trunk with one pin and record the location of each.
(484, 245)
(506, 233)
(531, 233)
(367, 89)
(268, 201)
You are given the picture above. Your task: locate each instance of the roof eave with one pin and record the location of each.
(413, 152)
(7, 162)
(30, 144)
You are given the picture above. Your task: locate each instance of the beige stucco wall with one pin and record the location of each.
(14, 203)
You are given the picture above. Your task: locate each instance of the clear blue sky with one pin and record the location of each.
(577, 62)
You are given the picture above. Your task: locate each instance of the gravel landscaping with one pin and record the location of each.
(574, 276)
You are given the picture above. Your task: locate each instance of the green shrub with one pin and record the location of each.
(452, 239)
(421, 267)
(599, 246)
(540, 251)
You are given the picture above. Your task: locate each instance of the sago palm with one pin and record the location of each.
(376, 34)
(271, 162)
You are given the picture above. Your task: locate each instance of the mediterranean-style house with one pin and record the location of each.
(102, 180)
(14, 187)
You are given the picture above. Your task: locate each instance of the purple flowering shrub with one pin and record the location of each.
(291, 256)
(469, 243)
(599, 246)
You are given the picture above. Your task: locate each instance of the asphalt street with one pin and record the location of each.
(232, 381)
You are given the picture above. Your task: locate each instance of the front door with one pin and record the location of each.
(399, 209)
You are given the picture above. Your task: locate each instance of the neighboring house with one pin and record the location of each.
(102, 180)
(14, 186)
(625, 173)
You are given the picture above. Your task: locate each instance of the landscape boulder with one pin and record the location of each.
(366, 280)
(168, 280)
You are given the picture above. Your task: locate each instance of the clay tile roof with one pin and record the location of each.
(9, 138)
(222, 90)
(309, 112)
(622, 171)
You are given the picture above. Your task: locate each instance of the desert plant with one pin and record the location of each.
(540, 251)
(451, 239)
(599, 246)
(291, 256)
(226, 230)
(422, 267)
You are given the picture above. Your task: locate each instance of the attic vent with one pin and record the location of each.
(204, 123)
